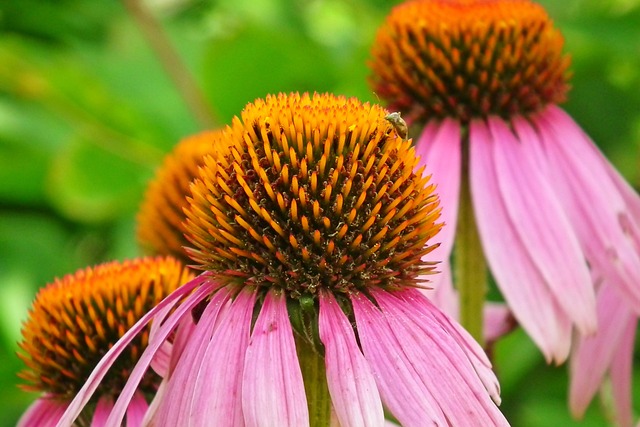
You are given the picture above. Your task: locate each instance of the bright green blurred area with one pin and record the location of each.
(87, 112)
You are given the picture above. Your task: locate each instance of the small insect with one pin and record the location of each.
(398, 124)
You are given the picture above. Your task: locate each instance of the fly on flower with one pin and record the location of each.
(398, 124)
(310, 219)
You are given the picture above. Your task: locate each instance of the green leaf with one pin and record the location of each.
(87, 183)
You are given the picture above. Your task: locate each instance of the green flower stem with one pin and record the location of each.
(470, 272)
(315, 384)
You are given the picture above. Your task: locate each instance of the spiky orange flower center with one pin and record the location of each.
(468, 58)
(75, 320)
(160, 230)
(312, 192)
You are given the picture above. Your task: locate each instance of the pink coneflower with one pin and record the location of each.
(75, 320)
(481, 79)
(311, 223)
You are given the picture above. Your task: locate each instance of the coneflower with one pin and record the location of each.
(483, 78)
(311, 221)
(75, 320)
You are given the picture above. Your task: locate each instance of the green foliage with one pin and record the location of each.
(87, 112)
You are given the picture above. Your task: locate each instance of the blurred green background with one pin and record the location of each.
(87, 111)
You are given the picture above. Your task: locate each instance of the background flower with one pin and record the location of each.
(75, 320)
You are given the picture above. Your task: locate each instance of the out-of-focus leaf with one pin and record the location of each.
(255, 62)
(57, 21)
(90, 184)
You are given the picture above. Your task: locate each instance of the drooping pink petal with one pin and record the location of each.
(424, 312)
(439, 148)
(440, 364)
(101, 369)
(629, 218)
(498, 319)
(151, 417)
(476, 355)
(441, 291)
(592, 356)
(402, 389)
(141, 367)
(351, 384)
(539, 220)
(44, 412)
(173, 406)
(160, 362)
(591, 199)
(273, 390)
(519, 280)
(621, 373)
(182, 338)
(102, 411)
(137, 410)
(217, 391)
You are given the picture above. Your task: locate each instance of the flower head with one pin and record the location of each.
(301, 201)
(311, 222)
(160, 230)
(75, 320)
(468, 58)
(483, 78)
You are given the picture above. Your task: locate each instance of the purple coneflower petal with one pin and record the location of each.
(44, 412)
(520, 281)
(401, 387)
(351, 383)
(469, 346)
(441, 291)
(161, 360)
(593, 356)
(424, 375)
(427, 315)
(540, 222)
(498, 319)
(101, 369)
(137, 410)
(621, 373)
(439, 148)
(594, 204)
(273, 389)
(178, 388)
(217, 388)
(102, 411)
(121, 405)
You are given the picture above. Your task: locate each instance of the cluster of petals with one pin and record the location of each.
(561, 232)
(408, 356)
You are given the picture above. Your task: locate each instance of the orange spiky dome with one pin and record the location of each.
(160, 218)
(312, 192)
(468, 58)
(75, 320)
